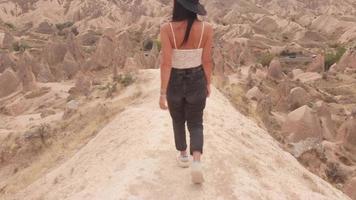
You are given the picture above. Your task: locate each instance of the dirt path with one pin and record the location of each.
(133, 157)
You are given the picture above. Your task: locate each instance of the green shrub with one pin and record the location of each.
(265, 59)
(127, 80)
(124, 79)
(158, 43)
(340, 51)
(334, 57)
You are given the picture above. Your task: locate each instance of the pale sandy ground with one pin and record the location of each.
(133, 157)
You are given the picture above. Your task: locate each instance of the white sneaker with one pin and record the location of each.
(183, 161)
(197, 174)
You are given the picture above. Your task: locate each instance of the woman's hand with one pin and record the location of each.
(208, 90)
(163, 102)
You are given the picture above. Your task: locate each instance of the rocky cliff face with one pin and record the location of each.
(259, 26)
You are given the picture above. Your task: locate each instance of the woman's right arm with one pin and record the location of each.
(165, 65)
(166, 58)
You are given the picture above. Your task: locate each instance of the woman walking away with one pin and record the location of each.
(186, 66)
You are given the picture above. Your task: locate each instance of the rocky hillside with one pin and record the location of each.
(288, 64)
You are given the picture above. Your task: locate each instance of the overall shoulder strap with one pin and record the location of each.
(201, 36)
(174, 36)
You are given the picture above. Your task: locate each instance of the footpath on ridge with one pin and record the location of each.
(133, 157)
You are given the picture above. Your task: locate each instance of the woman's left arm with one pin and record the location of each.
(207, 56)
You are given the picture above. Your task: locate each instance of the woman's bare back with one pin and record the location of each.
(194, 37)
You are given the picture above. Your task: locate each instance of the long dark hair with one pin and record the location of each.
(180, 14)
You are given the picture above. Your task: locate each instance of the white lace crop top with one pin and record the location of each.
(186, 58)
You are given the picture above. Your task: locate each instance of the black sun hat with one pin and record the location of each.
(194, 6)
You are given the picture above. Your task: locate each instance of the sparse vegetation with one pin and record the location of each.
(125, 79)
(287, 53)
(265, 59)
(111, 88)
(41, 131)
(158, 43)
(97, 33)
(20, 46)
(88, 49)
(334, 45)
(306, 63)
(64, 25)
(10, 25)
(334, 57)
(242, 62)
(122, 79)
(75, 30)
(334, 173)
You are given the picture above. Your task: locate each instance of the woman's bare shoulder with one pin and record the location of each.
(208, 27)
(164, 26)
(207, 24)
